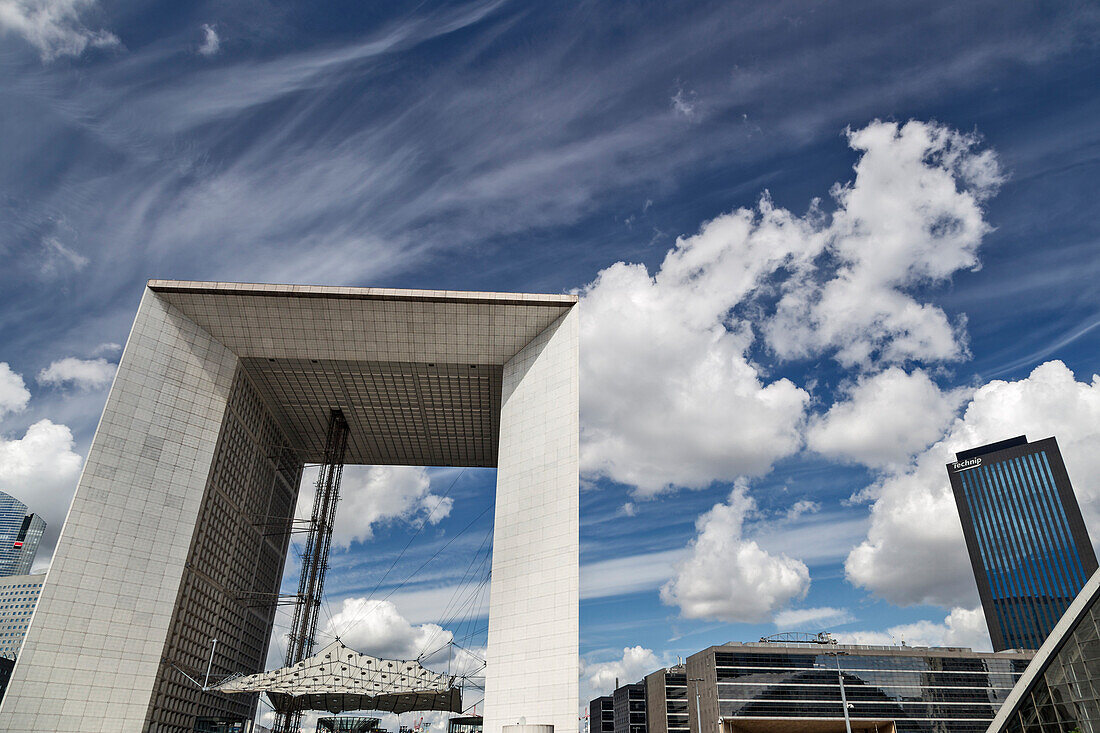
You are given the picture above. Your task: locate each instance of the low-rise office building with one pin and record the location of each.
(601, 715)
(18, 597)
(768, 686)
(666, 700)
(628, 709)
(623, 711)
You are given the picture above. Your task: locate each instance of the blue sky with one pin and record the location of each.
(780, 393)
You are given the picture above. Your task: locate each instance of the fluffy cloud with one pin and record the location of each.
(914, 550)
(41, 470)
(801, 508)
(885, 419)
(82, 373)
(377, 627)
(210, 41)
(671, 397)
(54, 27)
(912, 216)
(962, 627)
(802, 619)
(635, 664)
(729, 578)
(370, 495)
(13, 392)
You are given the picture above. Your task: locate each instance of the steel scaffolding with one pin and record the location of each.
(311, 581)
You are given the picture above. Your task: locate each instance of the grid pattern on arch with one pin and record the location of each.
(233, 567)
(424, 326)
(399, 413)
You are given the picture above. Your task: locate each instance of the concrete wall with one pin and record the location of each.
(97, 636)
(533, 608)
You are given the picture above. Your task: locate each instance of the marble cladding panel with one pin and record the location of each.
(533, 611)
(95, 642)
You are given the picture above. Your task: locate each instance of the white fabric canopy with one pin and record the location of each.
(338, 678)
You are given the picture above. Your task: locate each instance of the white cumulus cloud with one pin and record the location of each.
(599, 678)
(82, 373)
(211, 44)
(372, 495)
(801, 508)
(376, 627)
(41, 470)
(913, 215)
(914, 550)
(670, 394)
(811, 619)
(963, 627)
(54, 27)
(729, 578)
(13, 391)
(885, 418)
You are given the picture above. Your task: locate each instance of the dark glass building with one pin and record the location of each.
(1024, 532)
(766, 687)
(628, 706)
(623, 711)
(601, 715)
(1060, 690)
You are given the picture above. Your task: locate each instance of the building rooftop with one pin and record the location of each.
(866, 649)
(991, 448)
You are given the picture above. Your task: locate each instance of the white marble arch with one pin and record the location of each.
(424, 377)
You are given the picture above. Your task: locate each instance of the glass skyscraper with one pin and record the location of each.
(20, 534)
(1024, 532)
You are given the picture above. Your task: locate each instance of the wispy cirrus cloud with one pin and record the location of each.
(54, 27)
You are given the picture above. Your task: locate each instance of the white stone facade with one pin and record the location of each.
(428, 377)
(532, 665)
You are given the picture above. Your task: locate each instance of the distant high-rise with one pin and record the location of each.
(18, 598)
(1027, 541)
(20, 534)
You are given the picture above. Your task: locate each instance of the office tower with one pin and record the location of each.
(1024, 532)
(20, 534)
(223, 392)
(18, 597)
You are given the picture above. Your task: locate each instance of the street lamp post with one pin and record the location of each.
(843, 697)
(698, 710)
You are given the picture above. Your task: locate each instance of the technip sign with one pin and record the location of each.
(966, 465)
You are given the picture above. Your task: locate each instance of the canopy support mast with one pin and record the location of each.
(311, 581)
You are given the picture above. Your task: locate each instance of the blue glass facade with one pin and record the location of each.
(20, 534)
(1025, 535)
